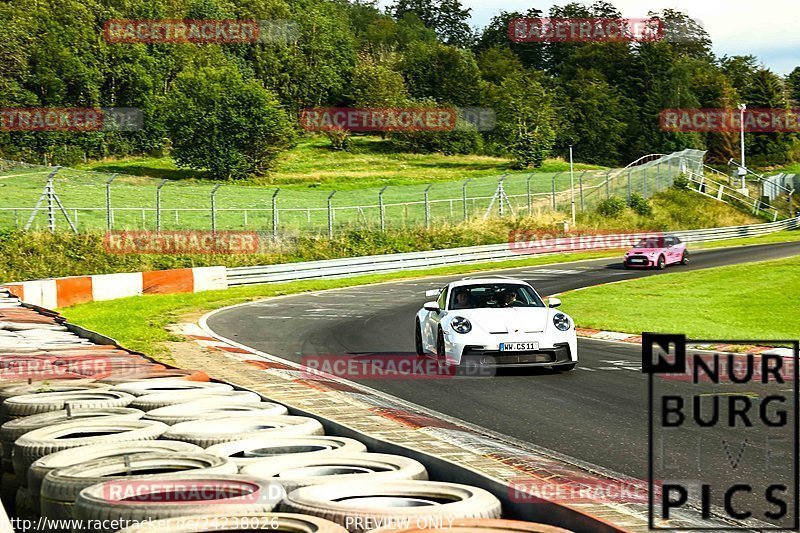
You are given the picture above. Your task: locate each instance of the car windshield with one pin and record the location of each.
(494, 295)
(650, 242)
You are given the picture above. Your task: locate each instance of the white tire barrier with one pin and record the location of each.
(295, 472)
(72, 456)
(205, 409)
(148, 402)
(44, 441)
(140, 388)
(360, 507)
(160, 498)
(34, 404)
(206, 433)
(61, 487)
(286, 522)
(247, 451)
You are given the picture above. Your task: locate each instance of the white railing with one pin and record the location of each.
(335, 268)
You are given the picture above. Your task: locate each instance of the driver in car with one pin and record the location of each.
(462, 301)
(508, 299)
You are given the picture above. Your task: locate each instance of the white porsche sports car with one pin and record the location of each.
(498, 322)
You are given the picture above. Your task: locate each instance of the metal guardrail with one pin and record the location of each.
(336, 268)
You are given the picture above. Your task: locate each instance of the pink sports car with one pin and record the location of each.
(657, 252)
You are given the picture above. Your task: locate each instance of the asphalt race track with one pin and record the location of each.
(596, 413)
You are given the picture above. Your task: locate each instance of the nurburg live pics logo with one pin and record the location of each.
(722, 437)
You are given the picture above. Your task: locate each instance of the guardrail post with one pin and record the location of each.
(158, 204)
(427, 208)
(109, 220)
(629, 186)
(275, 213)
(330, 214)
(381, 208)
(528, 189)
(464, 196)
(214, 208)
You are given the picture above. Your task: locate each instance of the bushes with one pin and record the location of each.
(611, 207)
(615, 206)
(640, 205)
(680, 182)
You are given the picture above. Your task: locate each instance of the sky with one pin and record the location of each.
(767, 29)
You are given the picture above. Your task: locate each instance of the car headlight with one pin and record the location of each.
(461, 325)
(561, 322)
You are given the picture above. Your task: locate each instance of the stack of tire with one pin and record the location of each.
(134, 444)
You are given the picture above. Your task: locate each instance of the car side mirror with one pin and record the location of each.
(431, 306)
(553, 302)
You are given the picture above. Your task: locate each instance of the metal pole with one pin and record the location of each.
(427, 208)
(580, 184)
(572, 184)
(464, 196)
(500, 193)
(554, 189)
(214, 207)
(330, 214)
(380, 207)
(629, 186)
(528, 189)
(742, 108)
(608, 184)
(109, 220)
(158, 204)
(658, 176)
(275, 213)
(51, 212)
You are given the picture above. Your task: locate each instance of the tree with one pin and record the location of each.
(441, 72)
(376, 84)
(448, 18)
(765, 90)
(525, 119)
(793, 86)
(226, 124)
(596, 119)
(739, 69)
(496, 63)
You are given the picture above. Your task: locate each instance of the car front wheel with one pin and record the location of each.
(685, 257)
(440, 354)
(418, 340)
(661, 263)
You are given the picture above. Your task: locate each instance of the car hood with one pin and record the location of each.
(507, 319)
(646, 250)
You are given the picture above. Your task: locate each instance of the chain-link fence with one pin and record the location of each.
(98, 201)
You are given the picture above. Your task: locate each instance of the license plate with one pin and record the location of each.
(637, 260)
(519, 346)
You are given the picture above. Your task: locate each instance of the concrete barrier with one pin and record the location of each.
(63, 292)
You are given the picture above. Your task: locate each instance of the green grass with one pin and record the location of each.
(140, 322)
(306, 177)
(748, 301)
(36, 255)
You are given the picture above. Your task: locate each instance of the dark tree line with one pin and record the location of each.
(232, 108)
